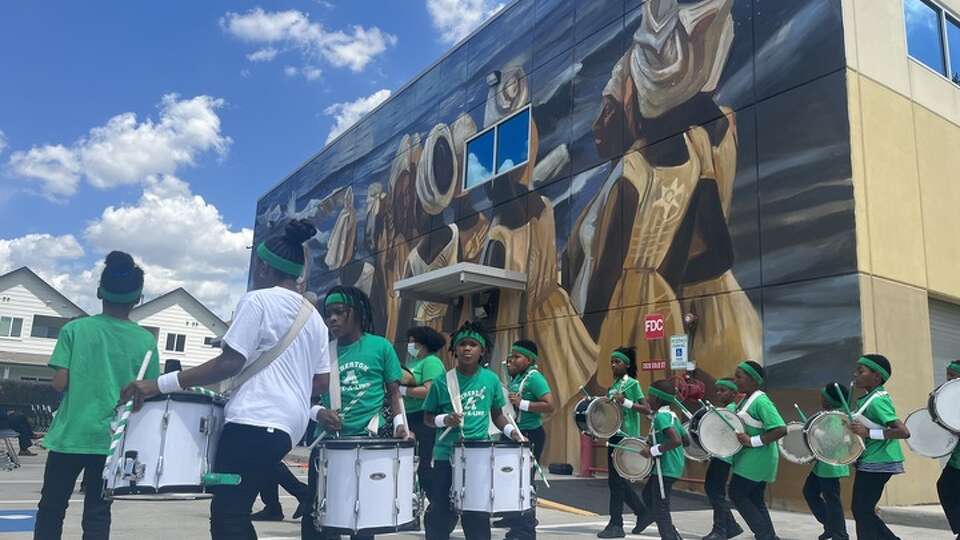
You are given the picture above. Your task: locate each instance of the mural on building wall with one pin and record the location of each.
(673, 169)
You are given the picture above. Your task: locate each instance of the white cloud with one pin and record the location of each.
(455, 19)
(346, 114)
(354, 48)
(290, 71)
(266, 54)
(311, 73)
(125, 151)
(3, 141)
(41, 252)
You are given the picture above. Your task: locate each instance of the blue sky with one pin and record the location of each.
(154, 126)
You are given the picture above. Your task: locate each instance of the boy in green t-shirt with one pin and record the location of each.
(718, 472)
(950, 477)
(822, 488)
(481, 398)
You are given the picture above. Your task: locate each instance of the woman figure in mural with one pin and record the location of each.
(673, 196)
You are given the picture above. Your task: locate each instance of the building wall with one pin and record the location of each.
(905, 132)
(176, 320)
(26, 303)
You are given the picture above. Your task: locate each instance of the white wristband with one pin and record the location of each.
(655, 450)
(877, 434)
(627, 404)
(439, 420)
(524, 405)
(403, 390)
(508, 430)
(169, 382)
(315, 411)
(398, 420)
(756, 441)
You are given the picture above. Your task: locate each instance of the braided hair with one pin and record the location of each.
(121, 274)
(359, 302)
(474, 327)
(289, 245)
(631, 353)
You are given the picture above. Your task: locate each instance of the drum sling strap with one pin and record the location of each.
(520, 390)
(859, 417)
(745, 416)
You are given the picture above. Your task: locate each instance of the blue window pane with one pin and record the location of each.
(953, 40)
(924, 40)
(513, 142)
(479, 160)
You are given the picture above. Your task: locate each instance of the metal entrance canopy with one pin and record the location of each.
(460, 279)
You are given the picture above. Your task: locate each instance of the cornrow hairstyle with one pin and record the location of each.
(121, 276)
(528, 345)
(432, 340)
(475, 327)
(758, 368)
(289, 245)
(631, 353)
(665, 385)
(880, 360)
(359, 302)
(831, 390)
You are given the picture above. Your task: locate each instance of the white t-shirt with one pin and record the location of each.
(279, 395)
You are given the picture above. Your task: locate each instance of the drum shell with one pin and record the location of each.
(588, 412)
(693, 451)
(949, 422)
(789, 443)
(377, 473)
(927, 437)
(639, 468)
(492, 477)
(813, 444)
(580, 415)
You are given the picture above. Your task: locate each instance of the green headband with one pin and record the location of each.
(663, 396)
(272, 259)
(729, 385)
(864, 361)
(830, 399)
(621, 357)
(469, 334)
(748, 369)
(336, 298)
(523, 351)
(954, 366)
(120, 298)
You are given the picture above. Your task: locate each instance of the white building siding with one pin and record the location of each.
(19, 301)
(175, 319)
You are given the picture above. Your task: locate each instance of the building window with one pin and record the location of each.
(11, 326)
(176, 342)
(953, 51)
(933, 37)
(212, 342)
(498, 149)
(47, 327)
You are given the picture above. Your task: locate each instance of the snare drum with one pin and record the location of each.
(928, 438)
(793, 445)
(629, 462)
(492, 477)
(830, 440)
(693, 451)
(944, 405)
(365, 486)
(598, 417)
(167, 447)
(713, 435)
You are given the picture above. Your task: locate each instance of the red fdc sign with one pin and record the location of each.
(653, 365)
(653, 326)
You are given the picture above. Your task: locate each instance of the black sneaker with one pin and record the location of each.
(735, 531)
(301, 508)
(265, 515)
(502, 523)
(612, 531)
(639, 528)
(715, 534)
(825, 536)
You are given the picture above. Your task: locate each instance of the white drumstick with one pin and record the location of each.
(653, 434)
(453, 388)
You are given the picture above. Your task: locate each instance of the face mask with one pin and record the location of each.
(413, 350)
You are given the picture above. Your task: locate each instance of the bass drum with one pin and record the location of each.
(829, 437)
(928, 438)
(793, 445)
(944, 405)
(598, 417)
(693, 451)
(629, 462)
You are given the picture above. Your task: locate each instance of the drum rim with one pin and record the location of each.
(796, 427)
(700, 439)
(365, 443)
(699, 458)
(372, 530)
(144, 490)
(956, 437)
(809, 423)
(491, 444)
(592, 429)
(632, 477)
(932, 406)
(187, 397)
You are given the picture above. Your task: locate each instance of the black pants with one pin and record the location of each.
(525, 526)
(658, 508)
(948, 487)
(19, 423)
(715, 485)
(307, 529)
(823, 498)
(441, 518)
(282, 477)
(747, 497)
(867, 489)
(621, 491)
(59, 477)
(426, 437)
(252, 452)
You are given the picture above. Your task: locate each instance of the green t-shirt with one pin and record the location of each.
(880, 411)
(630, 388)
(366, 365)
(479, 393)
(732, 407)
(534, 388)
(672, 462)
(424, 369)
(825, 470)
(759, 464)
(102, 354)
(955, 458)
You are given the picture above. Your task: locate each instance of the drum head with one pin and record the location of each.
(928, 438)
(604, 418)
(944, 405)
(793, 447)
(694, 451)
(715, 435)
(829, 437)
(629, 462)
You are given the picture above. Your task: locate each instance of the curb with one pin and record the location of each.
(911, 517)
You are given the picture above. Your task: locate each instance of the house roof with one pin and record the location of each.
(185, 300)
(27, 277)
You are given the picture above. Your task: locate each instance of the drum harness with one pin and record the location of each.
(859, 416)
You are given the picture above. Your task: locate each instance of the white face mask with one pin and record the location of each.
(413, 350)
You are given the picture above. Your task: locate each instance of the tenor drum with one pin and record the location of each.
(830, 440)
(598, 417)
(693, 451)
(365, 486)
(167, 448)
(629, 462)
(492, 477)
(713, 434)
(944, 405)
(793, 445)
(928, 438)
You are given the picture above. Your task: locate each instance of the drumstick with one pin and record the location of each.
(683, 409)
(123, 417)
(843, 400)
(536, 464)
(345, 410)
(714, 410)
(624, 448)
(453, 388)
(585, 393)
(653, 434)
(800, 412)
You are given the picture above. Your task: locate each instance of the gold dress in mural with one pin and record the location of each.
(432, 313)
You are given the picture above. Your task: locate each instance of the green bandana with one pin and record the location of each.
(877, 368)
(830, 399)
(621, 357)
(470, 334)
(120, 298)
(279, 263)
(729, 385)
(663, 396)
(336, 298)
(523, 351)
(748, 369)
(954, 366)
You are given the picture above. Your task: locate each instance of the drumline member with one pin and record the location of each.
(669, 452)
(369, 374)
(423, 344)
(756, 464)
(482, 399)
(877, 423)
(269, 412)
(530, 395)
(625, 391)
(950, 477)
(93, 359)
(822, 487)
(718, 472)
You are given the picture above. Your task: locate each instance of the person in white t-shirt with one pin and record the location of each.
(268, 412)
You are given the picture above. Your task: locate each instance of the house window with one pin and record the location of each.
(933, 37)
(176, 342)
(11, 326)
(953, 50)
(47, 327)
(211, 342)
(497, 150)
